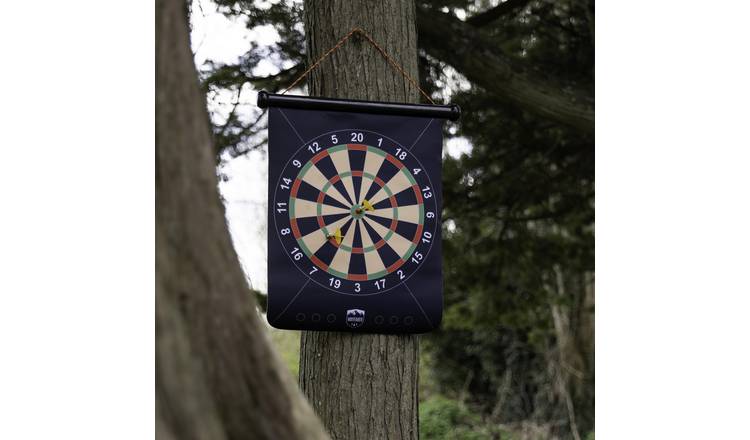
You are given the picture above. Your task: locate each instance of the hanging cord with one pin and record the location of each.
(376, 46)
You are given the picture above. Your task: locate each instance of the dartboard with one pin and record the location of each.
(355, 212)
(353, 221)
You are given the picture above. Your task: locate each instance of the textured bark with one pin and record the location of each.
(500, 75)
(362, 386)
(216, 374)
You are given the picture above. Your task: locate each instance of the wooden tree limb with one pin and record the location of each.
(217, 375)
(500, 75)
(492, 14)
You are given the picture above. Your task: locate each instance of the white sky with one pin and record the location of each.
(218, 38)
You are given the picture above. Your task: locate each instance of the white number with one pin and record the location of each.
(400, 274)
(357, 137)
(417, 170)
(430, 215)
(426, 193)
(380, 141)
(281, 207)
(314, 269)
(427, 236)
(334, 282)
(356, 287)
(296, 254)
(314, 148)
(401, 154)
(380, 284)
(417, 257)
(287, 182)
(296, 163)
(286, 231)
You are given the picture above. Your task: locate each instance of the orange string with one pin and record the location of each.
(376, 46)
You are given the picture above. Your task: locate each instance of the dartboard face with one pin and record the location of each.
(353, 222)
(355, 212)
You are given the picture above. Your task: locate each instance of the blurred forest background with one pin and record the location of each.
(515, 355)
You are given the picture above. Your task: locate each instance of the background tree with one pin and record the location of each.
(362, 385)
(516, 345)
(216, 375)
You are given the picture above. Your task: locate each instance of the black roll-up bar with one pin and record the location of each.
(450, 111)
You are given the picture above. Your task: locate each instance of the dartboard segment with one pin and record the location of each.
(304, 191)
(340, 263)
(401, 245)
(373, 262)
(399, 182)
(373, 161)
(340, 157)
(411, 213)
(300, 208)
(312, 175)
(388, 256)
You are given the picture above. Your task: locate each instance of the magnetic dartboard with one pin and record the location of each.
(355, 212)
(353, 219)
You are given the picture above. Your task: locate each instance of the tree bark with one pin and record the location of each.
(216, 374)
(503, 77)
(362, 386)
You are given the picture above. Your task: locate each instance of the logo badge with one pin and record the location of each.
(355, 318)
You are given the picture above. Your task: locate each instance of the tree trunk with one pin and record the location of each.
(362, 386)
(216, 374)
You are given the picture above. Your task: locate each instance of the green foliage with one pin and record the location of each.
(518, 225)
(287, 343)
(441, 418)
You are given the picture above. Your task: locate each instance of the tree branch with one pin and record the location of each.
(500, 75)
(490, 15)
(276, 82)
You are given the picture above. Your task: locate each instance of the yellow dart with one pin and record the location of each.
(367, 205)
(336, 236)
